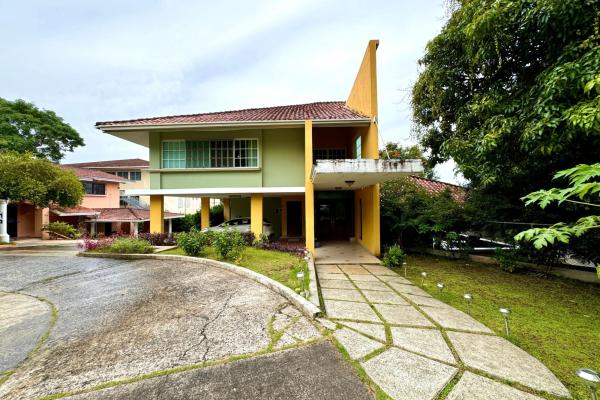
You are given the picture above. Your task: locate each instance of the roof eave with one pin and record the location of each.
(235, 124)
(93, 179)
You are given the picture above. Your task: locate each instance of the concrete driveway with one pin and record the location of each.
(156, 329)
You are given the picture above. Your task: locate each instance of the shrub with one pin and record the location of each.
(159, 239)
(394, 256)
(508, 259)
(262, 242)
(128, 245)
(228, 244)
(193, 242)
(89, 244)
(63, 229)
(248, 238)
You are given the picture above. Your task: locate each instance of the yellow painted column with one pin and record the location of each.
(376, 242)
(226, 209)
(256, 214)
(204, 212)
(157, 214)
(309, 195)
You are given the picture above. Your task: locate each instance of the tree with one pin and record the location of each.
(23, 177)
(193, 221)
(411, 216)
(510, 89)
(395, 151)
(583, 190)
(26, 128)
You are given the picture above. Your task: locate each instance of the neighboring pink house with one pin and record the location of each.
(98, 213)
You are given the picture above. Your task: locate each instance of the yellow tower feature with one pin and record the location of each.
(157, 214)
(363, 98)
(256, 214)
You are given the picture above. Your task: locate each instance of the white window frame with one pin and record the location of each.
(211, 168)
(162, 160)
(257, 153)
(358, 147)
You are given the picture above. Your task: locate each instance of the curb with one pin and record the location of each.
(309, 309)
(312, 286)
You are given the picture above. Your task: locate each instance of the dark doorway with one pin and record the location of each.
(334, 215)
(294, 219)
(11, 220)
(107, 229)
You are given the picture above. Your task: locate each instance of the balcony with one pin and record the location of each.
(351, 174)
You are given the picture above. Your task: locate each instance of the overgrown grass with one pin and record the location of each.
(557, 320)
(277, 265)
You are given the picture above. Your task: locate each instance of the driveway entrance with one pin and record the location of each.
(120, 323)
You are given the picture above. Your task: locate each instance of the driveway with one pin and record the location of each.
(156, 329)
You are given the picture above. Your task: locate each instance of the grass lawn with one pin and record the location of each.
(279, 266)
(555, 319)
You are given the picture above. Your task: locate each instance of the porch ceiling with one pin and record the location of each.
(356, 174)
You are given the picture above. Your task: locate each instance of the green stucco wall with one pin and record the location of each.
(283, 157)
(281, 161)
(272, 213)
(240, 207)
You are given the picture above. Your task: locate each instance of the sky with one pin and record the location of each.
(109, 60)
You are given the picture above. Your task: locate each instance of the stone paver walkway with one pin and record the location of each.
(413, 346)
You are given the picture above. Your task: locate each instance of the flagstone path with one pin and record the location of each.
(413, 346)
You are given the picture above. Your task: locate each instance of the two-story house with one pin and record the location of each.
(312, 170)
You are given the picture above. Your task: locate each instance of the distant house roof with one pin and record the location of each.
(73, 211)
(326, 110)
(459, 193)
(126, 163)
(128, 214)
(85, 174)
(109, 214)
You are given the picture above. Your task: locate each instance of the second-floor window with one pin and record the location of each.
(131, 175)
(94, 188)
(218, 153)
(329, 154)
(358, 147)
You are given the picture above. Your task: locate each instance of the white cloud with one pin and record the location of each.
(103, 60)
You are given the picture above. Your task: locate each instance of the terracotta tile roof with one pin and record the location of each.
(72, 211)
(327, 110)
(128, 214)
(85, 174)
(129, 162)
(459, 193)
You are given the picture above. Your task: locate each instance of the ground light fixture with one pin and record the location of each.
(300, 276)
(440, 286)
(469, 298)
(423, 276)
(505, 313)
(405, 268)
(591, 378)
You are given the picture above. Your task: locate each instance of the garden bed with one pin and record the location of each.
(556, 320)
